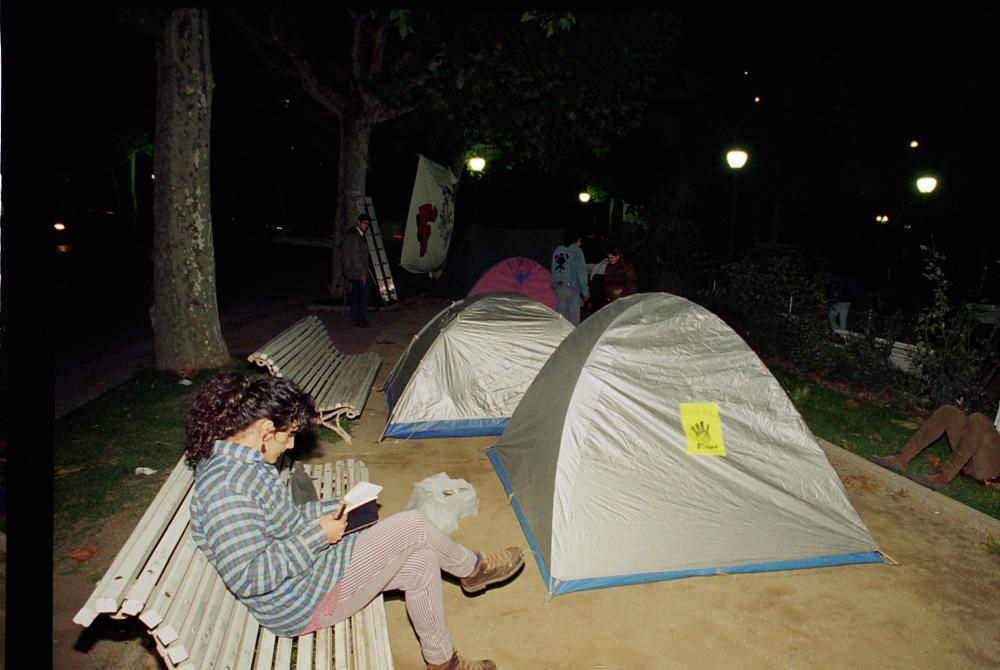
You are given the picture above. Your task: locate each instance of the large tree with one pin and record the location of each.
(534, 84)
(185, 313)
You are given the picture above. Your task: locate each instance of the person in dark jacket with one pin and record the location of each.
(619, 276)
(354, 260)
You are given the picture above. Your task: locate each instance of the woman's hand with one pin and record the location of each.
(334, 525)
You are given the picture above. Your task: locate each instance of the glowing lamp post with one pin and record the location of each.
(736, 159)
(477, 164)
(926, 184)
(584, 196)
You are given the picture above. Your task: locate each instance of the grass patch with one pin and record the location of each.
(98, 447)
(872, 428)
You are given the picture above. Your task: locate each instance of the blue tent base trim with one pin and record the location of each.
(556, 587)
(446, 428)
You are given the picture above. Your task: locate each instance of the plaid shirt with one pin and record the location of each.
(270, 552)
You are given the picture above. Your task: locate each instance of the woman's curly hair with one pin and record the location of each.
(231, 401)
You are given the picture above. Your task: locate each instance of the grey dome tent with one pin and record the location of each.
(618, 472)
(466, 370)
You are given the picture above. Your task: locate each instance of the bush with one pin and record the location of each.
(957, 355)
(770, 298)
(777, 304)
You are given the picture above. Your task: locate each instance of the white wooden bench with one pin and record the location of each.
(164, 580)
(901, 354)
(338, 383)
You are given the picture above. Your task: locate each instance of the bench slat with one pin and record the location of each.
(205, 599)
(265, 652)
(248, 641)
(231, 646)
(138, 594)
(197, 577)
(324, 657)
(210, 646)
(164, 592)
(107, 596)
(304, 651)
(283, 657)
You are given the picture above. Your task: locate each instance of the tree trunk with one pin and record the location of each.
(185, 314)
(355, 134)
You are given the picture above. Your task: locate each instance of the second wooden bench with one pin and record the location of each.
(338, 383)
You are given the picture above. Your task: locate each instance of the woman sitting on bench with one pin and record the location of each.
(291, 564)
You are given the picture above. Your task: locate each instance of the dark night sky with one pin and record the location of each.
(843, 91)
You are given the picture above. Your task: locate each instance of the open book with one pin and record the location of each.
(362, 506)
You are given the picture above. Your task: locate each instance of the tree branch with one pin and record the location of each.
(289, 63)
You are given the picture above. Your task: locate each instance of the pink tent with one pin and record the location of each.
(518, 275)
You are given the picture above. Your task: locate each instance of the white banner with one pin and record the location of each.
(431, 219)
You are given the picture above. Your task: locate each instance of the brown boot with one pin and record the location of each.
(493, 567)
(456, 662)
(936, 481)
(893, 463)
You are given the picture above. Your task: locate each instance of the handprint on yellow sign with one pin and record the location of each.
(703, 428)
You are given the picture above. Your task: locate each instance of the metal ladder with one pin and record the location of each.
(376, 248)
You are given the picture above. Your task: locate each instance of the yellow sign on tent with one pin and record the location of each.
(703, 428)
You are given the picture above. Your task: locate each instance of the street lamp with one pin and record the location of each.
(926, 185)
(736, 158)
(584, 196)
(477, 164)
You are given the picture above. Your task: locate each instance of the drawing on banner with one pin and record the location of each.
(431, 219)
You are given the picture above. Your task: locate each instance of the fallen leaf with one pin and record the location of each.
(68, 470)
(934, 460)
(84, 553)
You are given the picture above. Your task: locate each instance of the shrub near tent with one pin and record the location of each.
(654, 444)
(464, 373)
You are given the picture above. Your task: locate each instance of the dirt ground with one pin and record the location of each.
(937, 607)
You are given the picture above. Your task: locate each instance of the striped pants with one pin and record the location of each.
(406, 552)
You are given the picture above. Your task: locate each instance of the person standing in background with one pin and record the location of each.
(619, 276)
(569, 277)
(840, 294)
(355, 265)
